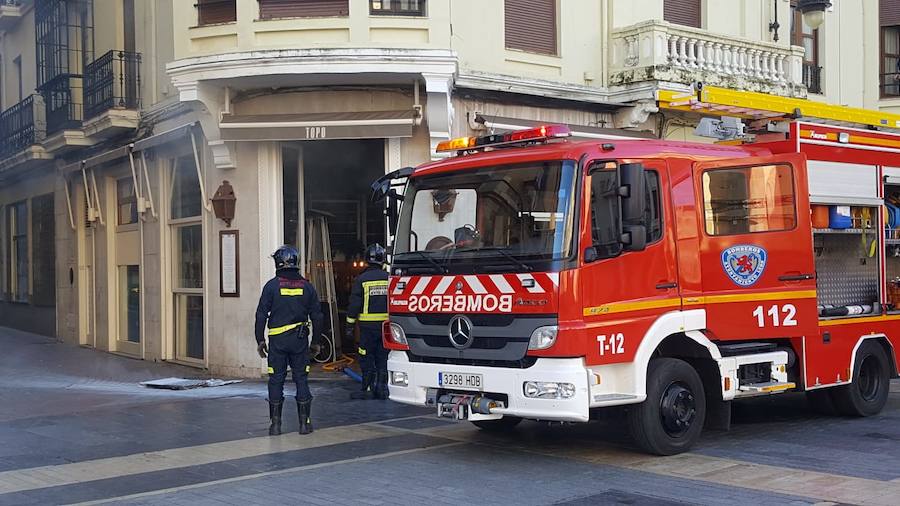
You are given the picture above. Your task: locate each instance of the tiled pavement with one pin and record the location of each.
(75, 428)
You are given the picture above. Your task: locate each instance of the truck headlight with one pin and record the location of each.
(543, 337)
(548, 390)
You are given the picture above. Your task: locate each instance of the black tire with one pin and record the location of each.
(502, 425)
(671, 419)
(868, 392)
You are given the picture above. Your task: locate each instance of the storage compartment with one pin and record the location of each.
(892, 246)
(846, 256)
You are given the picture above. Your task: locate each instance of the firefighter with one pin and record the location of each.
(368, 306)
(288, 303)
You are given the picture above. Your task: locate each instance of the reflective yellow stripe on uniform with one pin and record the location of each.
(380, 286)
(292, 292)
(271, 370)
(282, 330)
(362, 351)
(351, 321)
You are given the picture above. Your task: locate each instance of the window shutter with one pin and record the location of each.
(682, 12)
(210, 12)
(273, 9)
(43, 266)
(531, 25)
(890, 12)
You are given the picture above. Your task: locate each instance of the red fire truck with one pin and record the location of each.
(535, 277)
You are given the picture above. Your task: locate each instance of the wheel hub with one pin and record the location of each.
(678, 409)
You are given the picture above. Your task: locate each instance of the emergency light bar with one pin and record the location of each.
(541, 133)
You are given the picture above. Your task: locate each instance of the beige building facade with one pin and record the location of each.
(118, 130)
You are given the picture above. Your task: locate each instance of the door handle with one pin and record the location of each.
(666, 286)
(796, 277)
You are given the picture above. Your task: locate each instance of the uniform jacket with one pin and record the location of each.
(287, 299)
(369, 297)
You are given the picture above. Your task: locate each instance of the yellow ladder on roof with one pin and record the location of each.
(754, 105)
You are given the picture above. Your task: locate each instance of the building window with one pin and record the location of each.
(807, 38)
(186, 200)
(890, 48)
(43, 251)
(274, 9)
(17, 64)
(397, 7)
(213, 12)
(682, 12)
(126, 201)
(17, 225)
(531, 25)
(187, 267)
(749, 199)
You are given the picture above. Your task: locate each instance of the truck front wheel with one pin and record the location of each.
(868, 392)
(669, 421)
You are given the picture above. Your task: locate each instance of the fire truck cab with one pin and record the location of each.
(534, 277)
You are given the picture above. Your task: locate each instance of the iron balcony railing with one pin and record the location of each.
(812, 77)
(62, 100)
(112, 81)
(21, 126)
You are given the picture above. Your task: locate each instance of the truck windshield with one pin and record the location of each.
(514, 215)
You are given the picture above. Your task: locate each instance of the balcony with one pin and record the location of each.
(660, 51)
(112, 93)
(11, 11)
(63, 102)
(22, 129)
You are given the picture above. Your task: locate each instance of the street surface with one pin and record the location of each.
(76, 428)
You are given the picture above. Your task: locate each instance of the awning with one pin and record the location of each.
(94, 161)
(180, 133)
(578, 131)
(318, 126)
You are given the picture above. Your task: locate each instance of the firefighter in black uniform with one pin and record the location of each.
(288, 303)
(369, 307)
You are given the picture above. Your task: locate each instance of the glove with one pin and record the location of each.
(262, 349)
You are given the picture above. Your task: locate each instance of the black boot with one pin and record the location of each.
(367, 390)
(275, 417)
(381, 387)
(303, 408)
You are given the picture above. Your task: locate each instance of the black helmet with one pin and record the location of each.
(286, 257)
(375, 254)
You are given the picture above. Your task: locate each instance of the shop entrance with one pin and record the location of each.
(326, 188)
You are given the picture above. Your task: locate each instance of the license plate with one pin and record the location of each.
(461, 380)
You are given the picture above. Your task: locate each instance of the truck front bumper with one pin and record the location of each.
(508, 382)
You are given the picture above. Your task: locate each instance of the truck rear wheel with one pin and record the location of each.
(501, 425)
(868, 392)
(670, 420)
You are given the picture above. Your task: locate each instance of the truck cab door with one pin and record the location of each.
(755, 245)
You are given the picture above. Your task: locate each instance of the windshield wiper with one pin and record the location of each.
(440, 268)
(503, 252)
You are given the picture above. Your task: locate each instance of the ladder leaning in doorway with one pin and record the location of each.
(320, 272)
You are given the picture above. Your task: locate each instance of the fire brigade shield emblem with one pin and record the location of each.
(744, 263)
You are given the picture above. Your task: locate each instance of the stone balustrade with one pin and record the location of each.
(661, 51)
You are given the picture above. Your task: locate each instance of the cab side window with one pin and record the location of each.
(605, 217)
(746, 200)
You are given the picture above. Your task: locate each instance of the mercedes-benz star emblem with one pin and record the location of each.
(460, 332)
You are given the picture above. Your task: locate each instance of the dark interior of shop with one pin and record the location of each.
(336, 185)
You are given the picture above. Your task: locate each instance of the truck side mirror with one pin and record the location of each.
(632, 190)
